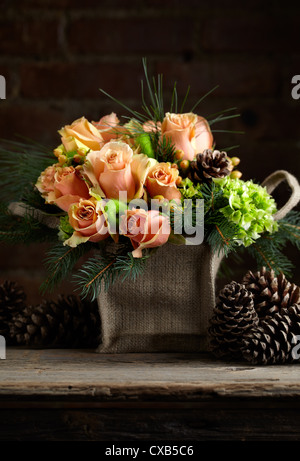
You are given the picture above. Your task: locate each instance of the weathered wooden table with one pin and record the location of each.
(54, 395)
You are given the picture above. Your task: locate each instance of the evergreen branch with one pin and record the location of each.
(21, 165)
(227, 149)
(151, 93)
(25, 229)
(131, 267)
(289, 228)
(268, 252)
(96, 273)
(95, 278)
(144, 105)
(142, 118)
(221, 234)
(227, 131)
(60, 263)
(100, 272)
(174, 100)
(184, 99)
(220, 112)
(203, 97)
(221, 118)
(164, 148)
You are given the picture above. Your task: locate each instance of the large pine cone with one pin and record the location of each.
(210, 164)
(271, 293)
(233, 316)
(274, 340)
(69, 322)
(12, 301)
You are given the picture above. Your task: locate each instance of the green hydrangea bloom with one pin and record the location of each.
(249, 206)
(65, 228)
(190, 190)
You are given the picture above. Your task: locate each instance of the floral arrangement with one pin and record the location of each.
(120, 189)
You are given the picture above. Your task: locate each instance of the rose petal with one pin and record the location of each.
(112, 182)
(203, 137)
(140, 166)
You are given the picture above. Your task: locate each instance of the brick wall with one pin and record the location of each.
(56, 54)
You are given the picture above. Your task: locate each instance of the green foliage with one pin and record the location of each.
(60, 263)
(163, 148)
(23, 229)
(249, 206)
(189, 190)
(101, 271)
(65, 228)
(153, 104)
(269, 249)
(21, 165)
(289, 229)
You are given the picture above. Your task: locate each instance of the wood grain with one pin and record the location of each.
(80, 395)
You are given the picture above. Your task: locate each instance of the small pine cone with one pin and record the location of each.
(69, 322)
(12, 301)
(271, 293)
(233, 316)
(273, 341)
(210, 164)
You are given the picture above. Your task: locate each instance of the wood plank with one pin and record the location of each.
(66, 395)
(86, 375)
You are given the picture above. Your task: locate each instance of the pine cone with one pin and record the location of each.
(209, 164)
(69, 322)
(271, 293)
(234, 315)
(273, 341)
(12, 301)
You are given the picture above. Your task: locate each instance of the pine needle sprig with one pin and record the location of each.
(268, 252)
(33, 199)
(289, 228)
(213, 197)
(100, 272)
(26, 229)
(221, 234)
(203, 97)
(130, 267)
(164, 148)
(60, 262)
(21, 165)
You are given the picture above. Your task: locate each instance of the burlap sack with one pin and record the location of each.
(168, 308)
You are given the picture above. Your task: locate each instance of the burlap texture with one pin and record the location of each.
(167, 309)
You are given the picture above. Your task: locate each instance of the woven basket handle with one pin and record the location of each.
(276, 178)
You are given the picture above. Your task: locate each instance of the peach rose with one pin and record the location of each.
(115, 168)
(62, 186)
(188, 132)
(45, 182)
(88, 222)
(146, 229)
(161, 180)
(83, 133)
(108, 127)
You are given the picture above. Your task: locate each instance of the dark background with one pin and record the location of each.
(56, 54)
